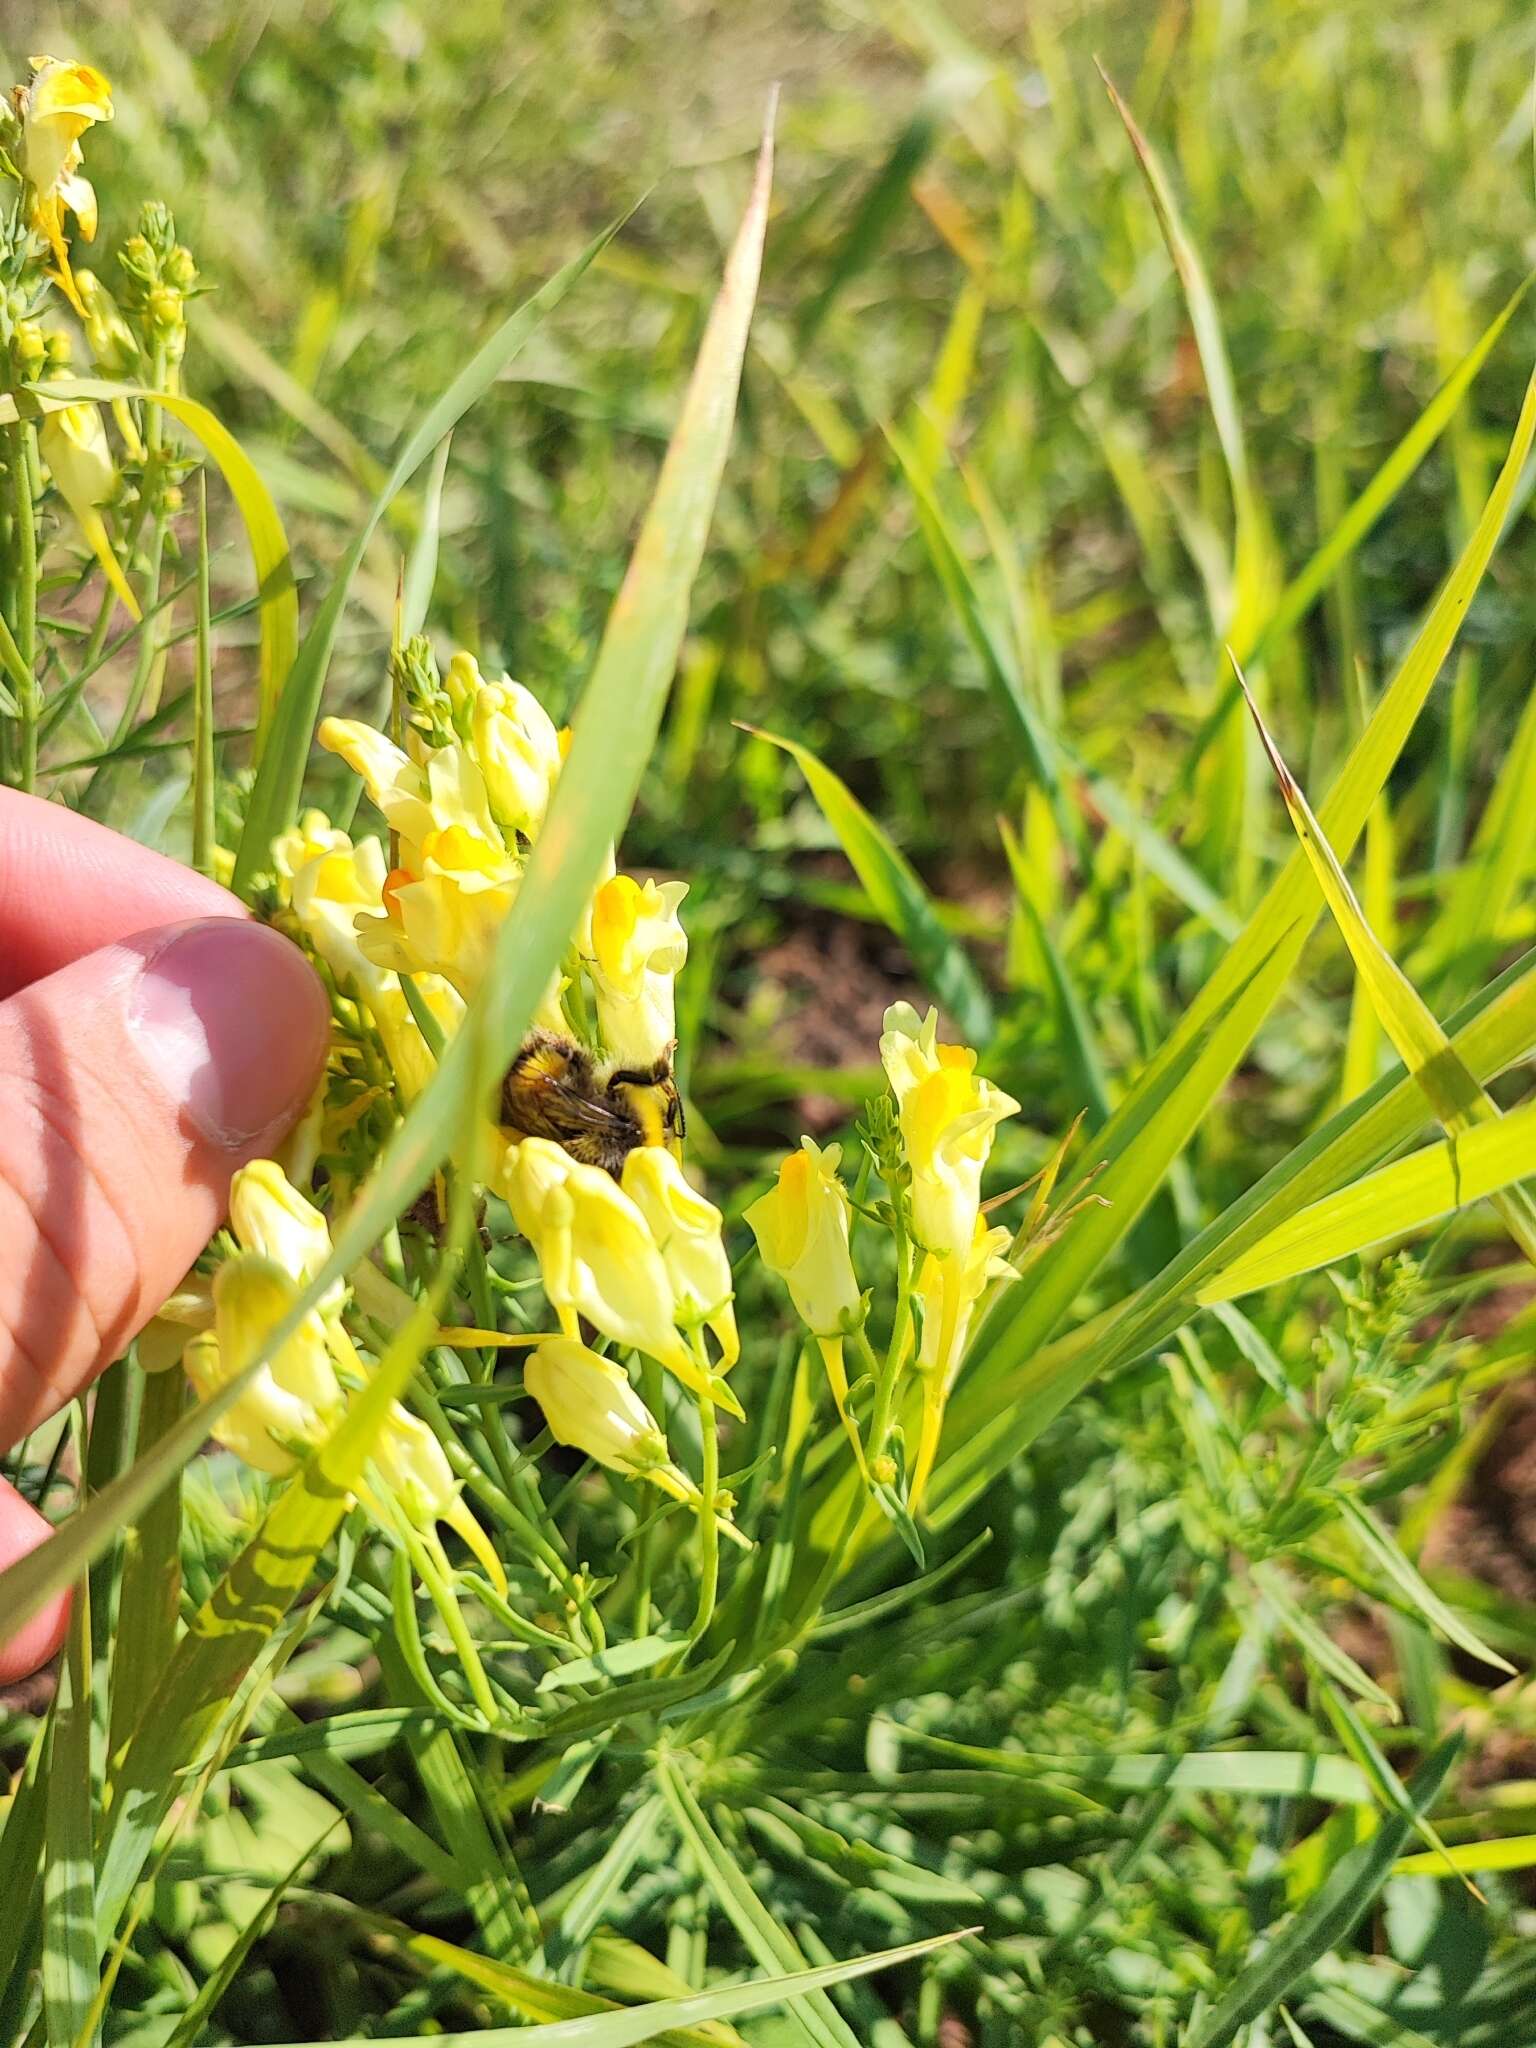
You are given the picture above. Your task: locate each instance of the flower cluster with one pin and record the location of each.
(946, 1119)
(297, 1394)
(42, 136)
(629, 1251)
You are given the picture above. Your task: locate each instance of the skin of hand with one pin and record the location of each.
(153, 1038)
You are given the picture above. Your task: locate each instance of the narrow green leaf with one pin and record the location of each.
(71, 1960)
(1385, 1206)
(421, 567)
(1401, 1572)
(1457, 1098)
(1260, 1773)
(898, 895)
(815, 2015)
(1330, 1916)
(626, 2029)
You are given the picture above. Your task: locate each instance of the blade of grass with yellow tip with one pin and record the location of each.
(1459, 1101)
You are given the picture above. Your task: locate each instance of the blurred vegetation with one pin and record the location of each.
(968, 302)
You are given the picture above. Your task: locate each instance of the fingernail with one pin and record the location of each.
(232, 1022)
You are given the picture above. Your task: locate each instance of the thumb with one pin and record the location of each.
(135, 1081)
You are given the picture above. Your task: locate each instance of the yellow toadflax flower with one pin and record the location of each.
(590, 1405)
(597, 1257)
(56, 106)
(514, 739)
(296, 1398)
(73, 442)
(949, 1116)
(637, 945)
(801, 1227)
(328, 883)
(443, 905)
(687, 1229)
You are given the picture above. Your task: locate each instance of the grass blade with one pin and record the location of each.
(71, 1962)
(899, 898)
(1332, 1913)
(1458, 1100)
(280, 779)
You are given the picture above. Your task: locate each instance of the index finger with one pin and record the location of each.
(68, 885)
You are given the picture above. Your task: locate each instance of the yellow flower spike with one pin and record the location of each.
(948, 1119)
(295, 1396)
(590, 1406)
(73, 443)
(598, 1258)
(56, 106)
(801, 1227)
(514, 740)
(636, 947)
(688, 1232)
(412, 1464)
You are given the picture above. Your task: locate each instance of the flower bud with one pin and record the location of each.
(73, 442)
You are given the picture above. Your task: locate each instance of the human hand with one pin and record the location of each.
(152, 1040)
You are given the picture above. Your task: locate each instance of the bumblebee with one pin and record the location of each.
(556, 1089)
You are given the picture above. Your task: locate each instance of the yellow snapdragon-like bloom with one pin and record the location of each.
(597, 1256)
(949, 1115)
(801, 1227)
(73, 443)
(514, 739)
(688, 1232)
(590, 1405)
(329, 884)
(296, 1398)
(637, 946)
(443, 905)
(58, 104)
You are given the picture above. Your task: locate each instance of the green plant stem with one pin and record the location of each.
(888, 1375)
(709, 1489)
(653, 1394)
(19, 440)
